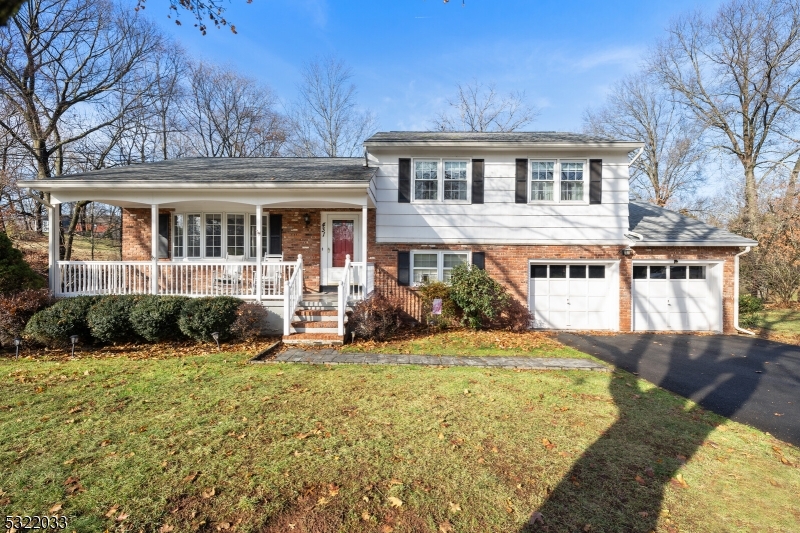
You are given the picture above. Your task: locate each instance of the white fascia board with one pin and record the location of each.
(698, 244)
(489, 242)
(504, 145)
(62, 184)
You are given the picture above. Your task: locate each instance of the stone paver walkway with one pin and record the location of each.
(334, 357)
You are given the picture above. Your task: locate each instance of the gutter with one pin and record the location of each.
(736, 293)
(63, 184)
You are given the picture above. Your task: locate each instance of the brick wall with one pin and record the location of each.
(508, 264)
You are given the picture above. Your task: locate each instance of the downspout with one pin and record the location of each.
(736, 293)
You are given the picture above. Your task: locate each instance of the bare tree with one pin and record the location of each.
(229, 115)
(325, 119)
(738, 73)
(668, 168)
(479, 107)
(60, 62)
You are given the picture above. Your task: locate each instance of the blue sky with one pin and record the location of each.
(408, 55)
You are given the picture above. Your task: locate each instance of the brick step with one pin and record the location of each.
(316, 324)
(314, 339)
(316, 312)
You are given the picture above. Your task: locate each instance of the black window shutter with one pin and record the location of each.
(275, 232)
(521, 191)
(404, 268)
(404, 181)
(477, 181)
(479, 260)
(595, 181)
(163, 235)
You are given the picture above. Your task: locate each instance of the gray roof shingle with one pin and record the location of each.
(661, 226)
(234, 169)
(519, 137)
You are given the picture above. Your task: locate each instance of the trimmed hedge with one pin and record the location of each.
(53, 326)
(155, 318)
(109, 318)
(17, 308)
(132, 317)
(202, 316)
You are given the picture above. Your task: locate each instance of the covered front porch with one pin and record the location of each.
(273, 243)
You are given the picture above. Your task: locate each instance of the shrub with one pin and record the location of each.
(750, 304)
(480, 298)
(155, 318)
(514, 317)
(376, 318)
(15, 273)
(54, 325)
(250, 319)
(202, 316)
(17, 308)
(430, 291)
(109, 318)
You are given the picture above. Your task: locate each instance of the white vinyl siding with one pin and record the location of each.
(499, 220)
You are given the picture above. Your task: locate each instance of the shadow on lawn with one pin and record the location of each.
(618, 483)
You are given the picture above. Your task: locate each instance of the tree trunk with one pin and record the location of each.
(76, 214)
(750, 218)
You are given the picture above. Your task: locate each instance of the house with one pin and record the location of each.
(546, 214)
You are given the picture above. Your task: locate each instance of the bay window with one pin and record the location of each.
(217, 235)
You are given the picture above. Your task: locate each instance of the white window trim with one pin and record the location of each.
(439, 262)
(264, 227)
(557, 181)
(440, 179)
(224, 234)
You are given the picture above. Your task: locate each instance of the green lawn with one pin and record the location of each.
(468, 342)
(780, 321)
(212, 443)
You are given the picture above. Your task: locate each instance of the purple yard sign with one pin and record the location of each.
(437, 306)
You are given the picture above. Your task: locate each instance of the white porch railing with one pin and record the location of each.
(293, 291)
(76, 278)
(362, 280)
(343, 294)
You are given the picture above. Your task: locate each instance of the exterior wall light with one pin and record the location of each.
(627, 251)
(307, 219)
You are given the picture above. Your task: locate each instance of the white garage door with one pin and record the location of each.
(579, 296)
(675, 298)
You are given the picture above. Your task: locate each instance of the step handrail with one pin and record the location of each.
(343, 295)
(292, 295)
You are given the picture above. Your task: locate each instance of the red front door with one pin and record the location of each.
(343, 241)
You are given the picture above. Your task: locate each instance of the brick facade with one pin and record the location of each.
(508, 264)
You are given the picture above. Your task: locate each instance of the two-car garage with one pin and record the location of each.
(665, 295)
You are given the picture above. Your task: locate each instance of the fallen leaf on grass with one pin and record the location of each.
(122, 516)
(209, 493)
(394, 501)
(75, 410)
(366, 517)
(111, 512)
(393, 482)
(191, 477)
(322, 501)
(56, 508)
(333, 489)
(547, 444)
(224, 526)
(649, 472)
(587, 527)
(644, 514)
(454, 507)
(678, 481)
(639, 479)
(386, 528)
(104, 443)
(446, 527)
(166, 529)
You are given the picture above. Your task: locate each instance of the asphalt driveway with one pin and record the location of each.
(747, 379)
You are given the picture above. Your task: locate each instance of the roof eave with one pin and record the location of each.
(499, 145)
(49, 185)
(704, 243)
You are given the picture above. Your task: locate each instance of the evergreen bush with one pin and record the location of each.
(15, 273)
(155, 318)
(480, 298)
(202, 316)
(54, 325)
(109, 318)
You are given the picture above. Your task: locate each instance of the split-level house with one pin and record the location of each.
(547, 214)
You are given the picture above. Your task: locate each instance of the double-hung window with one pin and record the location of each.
(426, 180)
(542, 180)
(557, 181)
(441, 180)
(235, 234)
(429, 266)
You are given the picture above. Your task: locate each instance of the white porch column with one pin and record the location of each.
(364, 234)
(154, 247)
(53, 273)
(259, 251)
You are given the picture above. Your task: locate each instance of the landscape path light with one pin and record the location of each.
(17, 342)
(74, 340)
(215, 336)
